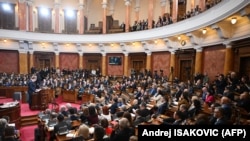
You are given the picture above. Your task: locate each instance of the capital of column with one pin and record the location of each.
(149, 53)
(104, 4)
(103, 54)
(81, 6)
(172, 51)
(227, 44)
(137, 9)
(199, 49)
(127, 2)
(125, 53)
(21, 1)
(163, 3)
(57, 52)
(29, 2)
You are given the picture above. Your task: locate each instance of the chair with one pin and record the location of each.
(55, 107)
(17, 96)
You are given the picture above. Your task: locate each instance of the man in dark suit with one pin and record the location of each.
(220, 118)
(61, 123)
(31, 88)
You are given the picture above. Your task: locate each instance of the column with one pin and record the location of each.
(80, 61)
(127, 17)
(104, 6)
(57, 60)
(57, 17)
(23, 62)
(30, 17)
(174, 10)
(125, 67)
(163, 7)
(104, 64)
(168, 6)
(202, 4)
(22, 15)
(31, 59)
(228, 66)
(172, 65)
(150, 13)
(137, 9)
(148, 61)
(81, 12)
(198, 61)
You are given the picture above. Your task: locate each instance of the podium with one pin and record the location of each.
(40, 100)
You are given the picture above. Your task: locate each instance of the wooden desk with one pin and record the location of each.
(40, 100)
(14, 113)
(9, 91)
(64, 137)
(69, 96)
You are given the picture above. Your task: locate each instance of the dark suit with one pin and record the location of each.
(57, 127)
(31, 90)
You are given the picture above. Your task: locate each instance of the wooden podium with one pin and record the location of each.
(40, 100)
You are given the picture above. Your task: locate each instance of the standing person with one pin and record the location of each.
(31, 88)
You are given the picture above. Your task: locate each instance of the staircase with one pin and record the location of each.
(29, 120)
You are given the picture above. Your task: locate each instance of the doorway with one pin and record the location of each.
(185, 70)
(43, 63)
(138, 66)
(245, 66)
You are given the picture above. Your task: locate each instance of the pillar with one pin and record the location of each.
(57, 17)
(57, 60)
(125, 64)
(163, 7)
(80, 61)
(104, 62)
(172, 66)
(198, 61)
(202, 4)
(81, 16)
(137, 9)
(148, 61)
(31, 59)
(228, 66)
(104, 6)
(22, 15)
(150, 13)
(174, 10)
(30, 11)
(23, 62)
(127, 17)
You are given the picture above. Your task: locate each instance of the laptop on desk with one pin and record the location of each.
(52, 123)
(63, 130)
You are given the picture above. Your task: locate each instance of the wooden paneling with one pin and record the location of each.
(9, 61)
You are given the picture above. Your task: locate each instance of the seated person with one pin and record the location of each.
(10, 132)
(83, 131)
(61, 123)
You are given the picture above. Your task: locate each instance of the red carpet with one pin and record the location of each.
(27, 132)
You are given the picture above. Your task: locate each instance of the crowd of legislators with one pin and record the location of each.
(125, 102)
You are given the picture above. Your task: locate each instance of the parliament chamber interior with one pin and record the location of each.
(97, 70)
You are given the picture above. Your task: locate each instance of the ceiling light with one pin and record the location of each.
(234, 20)
(204, 31)
(179, 37)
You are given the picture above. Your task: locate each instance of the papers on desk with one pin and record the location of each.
(12, 124)
(38, 90)
(9, 104)
(51, 128)
(91, 130)
(70, 135)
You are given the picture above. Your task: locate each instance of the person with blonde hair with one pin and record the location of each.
(84, 132)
